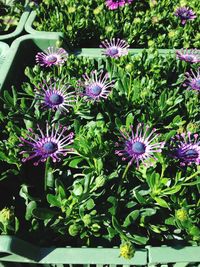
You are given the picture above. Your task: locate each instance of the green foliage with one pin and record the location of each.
(86, 200)
(142, 23)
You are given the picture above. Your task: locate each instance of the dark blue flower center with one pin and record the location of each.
(185, 15)
(197, 83)
(189, 58)
(52, 59)
(49, 147)
(191, 154)
(113, 51)
(138, 148)
(95, 89)
(56, 99)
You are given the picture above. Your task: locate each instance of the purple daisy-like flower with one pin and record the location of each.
(186, 148)
(115, 48)
(189, 55)
(55, 95)
(52, 144)
(51, 56)
(114, 4)
(185, 14)
(96, 86)
(138, 147)
(192, 80)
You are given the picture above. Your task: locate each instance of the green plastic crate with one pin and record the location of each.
(14, 251)
(24, 49)
(3, 52)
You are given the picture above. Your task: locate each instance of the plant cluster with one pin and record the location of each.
(147, 23)
(10, 12)
(103, 151)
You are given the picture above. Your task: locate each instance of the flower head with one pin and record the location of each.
(6, 215)
(114, 4)
(192, 80)
(182, 215)
(55, 95)
(138, 147)
(96, 86)
(127, 250)
(52, 143)
(186, 148)
(189, 55)
(52, 56)
(185, 13)
(115, 48)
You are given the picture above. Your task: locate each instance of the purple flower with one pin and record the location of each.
(192, 80)
(50, 144)
(52, 56)
(189, 55)
(55, 95)
(115, 48)
(114, 4)
(138, 147)
(96, 86)
(186, 148)
(185, 13)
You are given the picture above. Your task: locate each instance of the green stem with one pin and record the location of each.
(123, 176)
(47, 166)
(129, 88)
(125, 171)
(191, 176)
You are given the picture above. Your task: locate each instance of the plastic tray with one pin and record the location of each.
(3, 52)
(23, 50)
(18, 30)
(15, 250)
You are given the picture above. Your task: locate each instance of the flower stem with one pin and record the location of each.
(125, 171)
(191, 176)
(47, 166)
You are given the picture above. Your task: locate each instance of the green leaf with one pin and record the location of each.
(117, 226)
(8, 98)
(90, 204)
(140, 240)
(44, 214)
(129, 120)
(161, 202)
(74, 163)
(53, 200)
(29, 208)
(78, 189)
(131, 218)
(139, 197)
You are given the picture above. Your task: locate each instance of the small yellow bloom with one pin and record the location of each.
(192, 127)
(97, 10)
(183, 3)
(6, 214)
(171, 34)
(71, 9)
(151, 43)
(109, 28)
(154, 19)
(181, 215)
(69, 27)
(126, 250)
(136, 20)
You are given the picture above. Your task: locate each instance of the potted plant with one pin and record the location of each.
(105, 152)
(161, 24)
